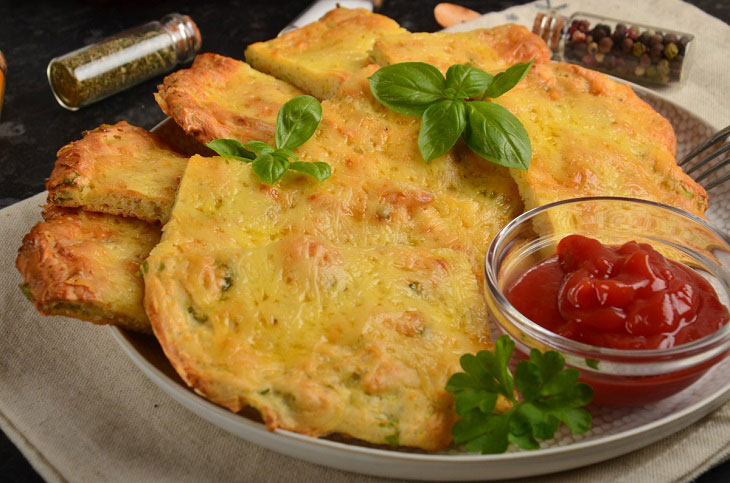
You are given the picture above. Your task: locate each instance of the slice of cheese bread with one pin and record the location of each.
(321, 338)
(318, 57)
(86, 265)
(359, 137)
(340, 306)
(219, 97)
(492, 49)
(240, 210)
(592, 136)
(119, 169)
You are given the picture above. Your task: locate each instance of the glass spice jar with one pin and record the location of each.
(123, 60)
(3, 72)
(640, 53)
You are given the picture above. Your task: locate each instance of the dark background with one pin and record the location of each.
(33, 126)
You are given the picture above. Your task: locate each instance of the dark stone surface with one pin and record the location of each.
(33, 127)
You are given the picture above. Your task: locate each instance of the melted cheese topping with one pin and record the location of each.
(492, 49)
(318, 337)
(594, 137)
(318, 57)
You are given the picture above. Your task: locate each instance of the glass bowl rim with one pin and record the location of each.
(564, 344)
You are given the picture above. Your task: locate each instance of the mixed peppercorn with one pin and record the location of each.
(643, 55)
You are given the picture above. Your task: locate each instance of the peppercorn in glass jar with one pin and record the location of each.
(99, 70)
(640, 53)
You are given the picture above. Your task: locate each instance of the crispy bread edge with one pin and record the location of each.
(46, 269)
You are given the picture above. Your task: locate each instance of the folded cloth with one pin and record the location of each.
(79, 410)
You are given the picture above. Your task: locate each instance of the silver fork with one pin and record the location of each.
(711, 163)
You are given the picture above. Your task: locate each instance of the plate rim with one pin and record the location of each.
(719, 396)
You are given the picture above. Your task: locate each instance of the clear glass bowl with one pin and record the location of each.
(618, 377)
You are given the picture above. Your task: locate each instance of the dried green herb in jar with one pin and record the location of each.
(99, 70)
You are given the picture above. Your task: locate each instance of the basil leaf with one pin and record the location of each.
(506, 80)
(230, 148)
(442, 124)
(259, 148)
(497, 135)
(408, 87)
(288, 154)
(318, 170)
(467, 81)
(270, 168)
(297, 120)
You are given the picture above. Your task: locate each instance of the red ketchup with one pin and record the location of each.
(627, 297)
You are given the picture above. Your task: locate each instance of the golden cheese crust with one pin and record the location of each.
(364, 212)
(119, 169)
(594, 137)
(86, 265)
(219, 97)
(321, 338)
(254, 307)
(318, 57)
(492, 49)
(360, 137)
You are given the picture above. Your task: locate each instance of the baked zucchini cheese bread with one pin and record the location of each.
(301, 301)
(239, 210)
(119, 169)
(592, 136)
(86, 265)
(494, 49)
(318, 57)
(219, 97)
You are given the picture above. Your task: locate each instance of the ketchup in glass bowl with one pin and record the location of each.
(634, 294)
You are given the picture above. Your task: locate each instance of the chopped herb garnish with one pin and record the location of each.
(197, 315)
(550, 395)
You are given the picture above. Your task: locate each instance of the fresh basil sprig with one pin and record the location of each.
(454, 106)
(550, 395)
(296, 122)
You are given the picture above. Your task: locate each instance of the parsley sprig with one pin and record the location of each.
(550, 395)
(454, 106)
(296, 122)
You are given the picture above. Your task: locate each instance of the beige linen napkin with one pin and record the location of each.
(80, 411)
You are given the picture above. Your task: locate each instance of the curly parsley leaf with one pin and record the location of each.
(550, 395)
(296, 123)
(444, 105)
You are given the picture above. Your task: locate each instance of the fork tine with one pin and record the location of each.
(721, 164)
(717, 182)
(709, 158)
(701, 147)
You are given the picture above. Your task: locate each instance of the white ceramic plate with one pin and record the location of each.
(615, 431)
